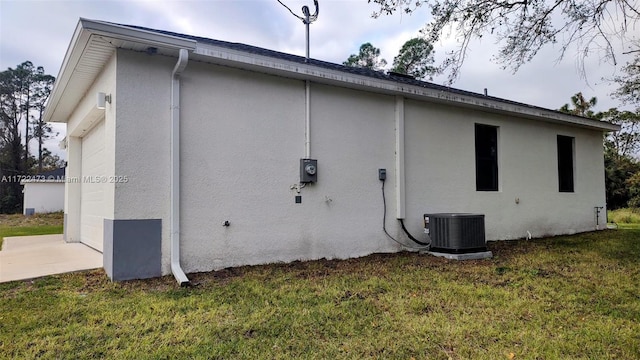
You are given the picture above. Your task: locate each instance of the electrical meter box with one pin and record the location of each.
(308, 170)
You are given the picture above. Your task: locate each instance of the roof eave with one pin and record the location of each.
(72, 56)
(87, 31)
(125, 33)
(265, 64)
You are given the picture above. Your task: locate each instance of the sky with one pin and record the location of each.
(40, 31)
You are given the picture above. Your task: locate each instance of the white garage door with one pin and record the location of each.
(92, 194)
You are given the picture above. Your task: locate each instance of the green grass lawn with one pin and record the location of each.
(38, 224)
(628, 226)
(570, 297)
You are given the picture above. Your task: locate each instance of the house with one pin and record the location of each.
(43, 193)
(188, 154)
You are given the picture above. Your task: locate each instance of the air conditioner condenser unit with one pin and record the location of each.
(456, 233)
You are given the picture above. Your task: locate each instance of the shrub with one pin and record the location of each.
(624, 216)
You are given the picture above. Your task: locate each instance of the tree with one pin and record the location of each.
(626, 142)
(581, 106)
(368, 58)
(23, 94)
(633, 184)
(41, 130)
(620, 167)
(25, 76)
(11, 148)
(629, 84)
(523, 27)
(49, 161)
(619, 173)
(415, 59)
(622, 170)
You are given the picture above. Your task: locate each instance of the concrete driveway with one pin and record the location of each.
(27, 257)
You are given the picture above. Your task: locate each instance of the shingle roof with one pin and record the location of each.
(402, 79)
(54, 174)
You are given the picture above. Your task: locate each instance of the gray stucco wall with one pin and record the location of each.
(132, 248)
(246, 135)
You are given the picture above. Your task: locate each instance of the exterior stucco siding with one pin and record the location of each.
(245, 136)
(44, 197)
(142, 141)
(441, 172)
(242, 136)
(82, 120)
(132, 249)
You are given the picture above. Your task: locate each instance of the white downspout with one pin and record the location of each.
(400, 183)
(307, 121)
(176, 269)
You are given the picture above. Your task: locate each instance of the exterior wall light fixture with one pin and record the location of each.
(102, 99)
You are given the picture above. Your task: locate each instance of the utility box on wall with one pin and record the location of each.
(456, 233)
(308, 170)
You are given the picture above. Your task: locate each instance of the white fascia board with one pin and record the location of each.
(265, 64)
(80, 41)
(125, 33)
(72, 57)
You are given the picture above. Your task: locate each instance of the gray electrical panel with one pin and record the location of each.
(308, 171)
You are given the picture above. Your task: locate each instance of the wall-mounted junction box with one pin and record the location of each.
(308, 170)
(382, 174)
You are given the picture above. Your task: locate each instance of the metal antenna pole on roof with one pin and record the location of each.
(306, 20)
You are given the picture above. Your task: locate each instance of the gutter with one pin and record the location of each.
(220, 55)
(176, 268)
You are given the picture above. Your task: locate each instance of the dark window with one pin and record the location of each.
(486, 158)
(565, 163)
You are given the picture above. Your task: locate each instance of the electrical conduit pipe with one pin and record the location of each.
(176, 268)
(400, 171)
(400, 181)
(307, 120)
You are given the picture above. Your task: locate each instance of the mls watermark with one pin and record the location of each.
(89, 179)
(98, 179)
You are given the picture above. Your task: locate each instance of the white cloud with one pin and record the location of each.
(390, 46)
